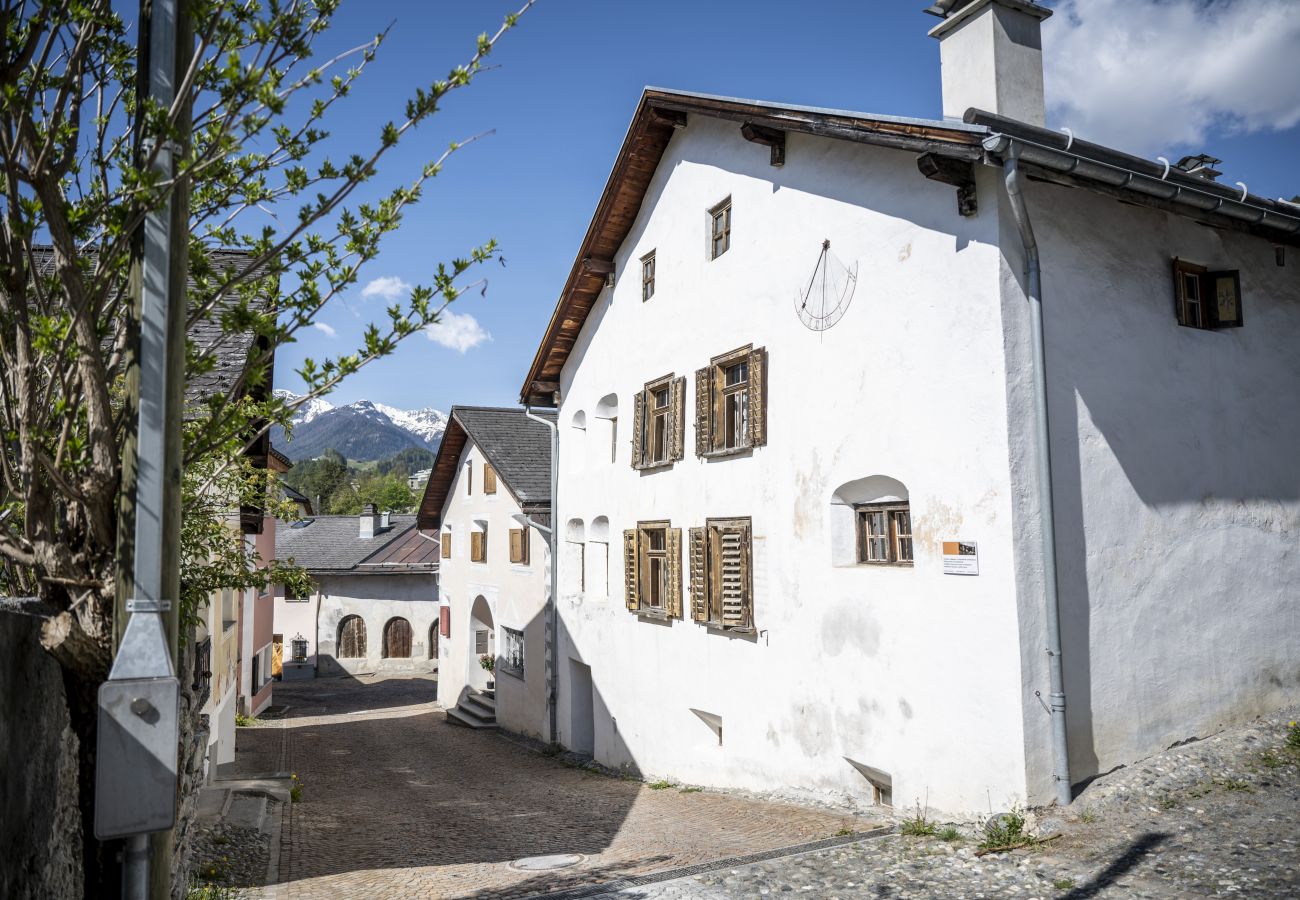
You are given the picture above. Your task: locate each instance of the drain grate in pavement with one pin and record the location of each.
(609, 887)
(545, 863)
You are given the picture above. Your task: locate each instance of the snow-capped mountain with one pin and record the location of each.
(362, 430)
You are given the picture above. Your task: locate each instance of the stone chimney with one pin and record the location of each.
(384, 519)
(991, 55)
(369, 520)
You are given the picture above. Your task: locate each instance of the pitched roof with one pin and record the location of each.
(333, 545)
(659, 114)
(1049, 155)
(230, 351)
(518, 448)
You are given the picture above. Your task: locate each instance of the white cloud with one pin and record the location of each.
(326, 329)
(457, 331)
(387, 287)
(1149, 76)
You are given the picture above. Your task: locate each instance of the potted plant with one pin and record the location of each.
(489, 664)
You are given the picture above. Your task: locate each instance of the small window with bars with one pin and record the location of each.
(512, 656)
(720, 229)
(647, 276)
(884, 534)
(722, 593)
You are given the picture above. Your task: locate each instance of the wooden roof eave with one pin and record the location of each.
(657, 117)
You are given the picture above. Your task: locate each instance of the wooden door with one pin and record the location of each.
(397, 639)
(277, 655)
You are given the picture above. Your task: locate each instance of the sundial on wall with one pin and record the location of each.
(829, 291)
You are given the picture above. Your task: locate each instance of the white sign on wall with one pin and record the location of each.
(960, 558)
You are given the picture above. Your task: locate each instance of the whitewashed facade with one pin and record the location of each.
(1177, 505)
(495, 565)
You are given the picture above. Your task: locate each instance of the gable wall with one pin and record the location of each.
(906, 670)
(1177, 490)
(516, 595)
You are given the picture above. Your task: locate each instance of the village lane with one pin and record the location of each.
(398, 803)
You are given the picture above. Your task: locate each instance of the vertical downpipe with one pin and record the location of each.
(552, 616)
(1043, 454)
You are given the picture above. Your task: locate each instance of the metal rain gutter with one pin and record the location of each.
(1043, 460)
(1243, 208)
(552, 623)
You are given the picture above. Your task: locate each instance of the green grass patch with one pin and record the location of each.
(949, 834)
(1006, 832)
(659, 785)
(1088, 816)
(1063, 884)
(691, 790)
(1236, 785)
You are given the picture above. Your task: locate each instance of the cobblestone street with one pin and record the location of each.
(397, 803)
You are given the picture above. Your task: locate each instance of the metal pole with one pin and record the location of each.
(552, 617)
(1043, 452)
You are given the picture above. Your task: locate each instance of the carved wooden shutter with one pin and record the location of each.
(633, 598)
(699, 575)
(673, 596)
(703, 410)
(638, 429)
(733, 575)
(758, 397)
(677, 419)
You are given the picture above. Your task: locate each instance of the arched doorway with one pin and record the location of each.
(482, 641)
(352, 638)
(397, 639)
(433, 640)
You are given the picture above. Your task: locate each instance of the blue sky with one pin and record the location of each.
(1146, 76)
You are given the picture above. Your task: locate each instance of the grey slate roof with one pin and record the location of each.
(233, 353)
(518, 448)
(333, 544)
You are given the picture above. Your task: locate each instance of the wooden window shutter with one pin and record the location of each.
(446, 545)
(489, 479)
(516, 545)
(476, 546)
(733, 576)
(673, 596)
(677, 419)
(633, 598)
(638, 430)
(444, 621)
(703, 410)
(699, 575)
(758, 397)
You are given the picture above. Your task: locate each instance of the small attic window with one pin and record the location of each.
(1206, 299)
(720, 229)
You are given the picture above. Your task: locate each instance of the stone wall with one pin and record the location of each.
(40, 829)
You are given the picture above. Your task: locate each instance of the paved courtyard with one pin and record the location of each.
(397, 803)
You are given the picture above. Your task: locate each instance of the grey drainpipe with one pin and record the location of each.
(1043, 452)
(552, 661)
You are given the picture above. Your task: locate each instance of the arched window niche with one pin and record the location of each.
(574, 561)
(607, 412)
(846, 548)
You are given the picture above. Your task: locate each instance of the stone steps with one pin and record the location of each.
(476, 709)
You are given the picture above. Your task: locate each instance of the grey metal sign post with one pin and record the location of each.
(139, 705)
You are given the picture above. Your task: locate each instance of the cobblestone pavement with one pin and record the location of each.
(1216, 818)
(397, 803)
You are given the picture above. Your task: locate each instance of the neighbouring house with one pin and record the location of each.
(796, 364)
(417, 481)
(375, 606)
(259, 646)
(489, 499)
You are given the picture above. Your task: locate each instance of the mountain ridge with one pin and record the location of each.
(363, 430)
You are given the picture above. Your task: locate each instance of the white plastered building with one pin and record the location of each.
(488, 499)
(824, 493)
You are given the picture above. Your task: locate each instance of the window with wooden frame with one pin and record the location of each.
(512, 656)
(489, 479)
(731, 403)
(1206, 299)
(519, 546)
(722, 584)
(658, 412)
(478, 546)
(720, 229)
(647, 276)
(445, 541)
(652, 566)
(884, 534)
